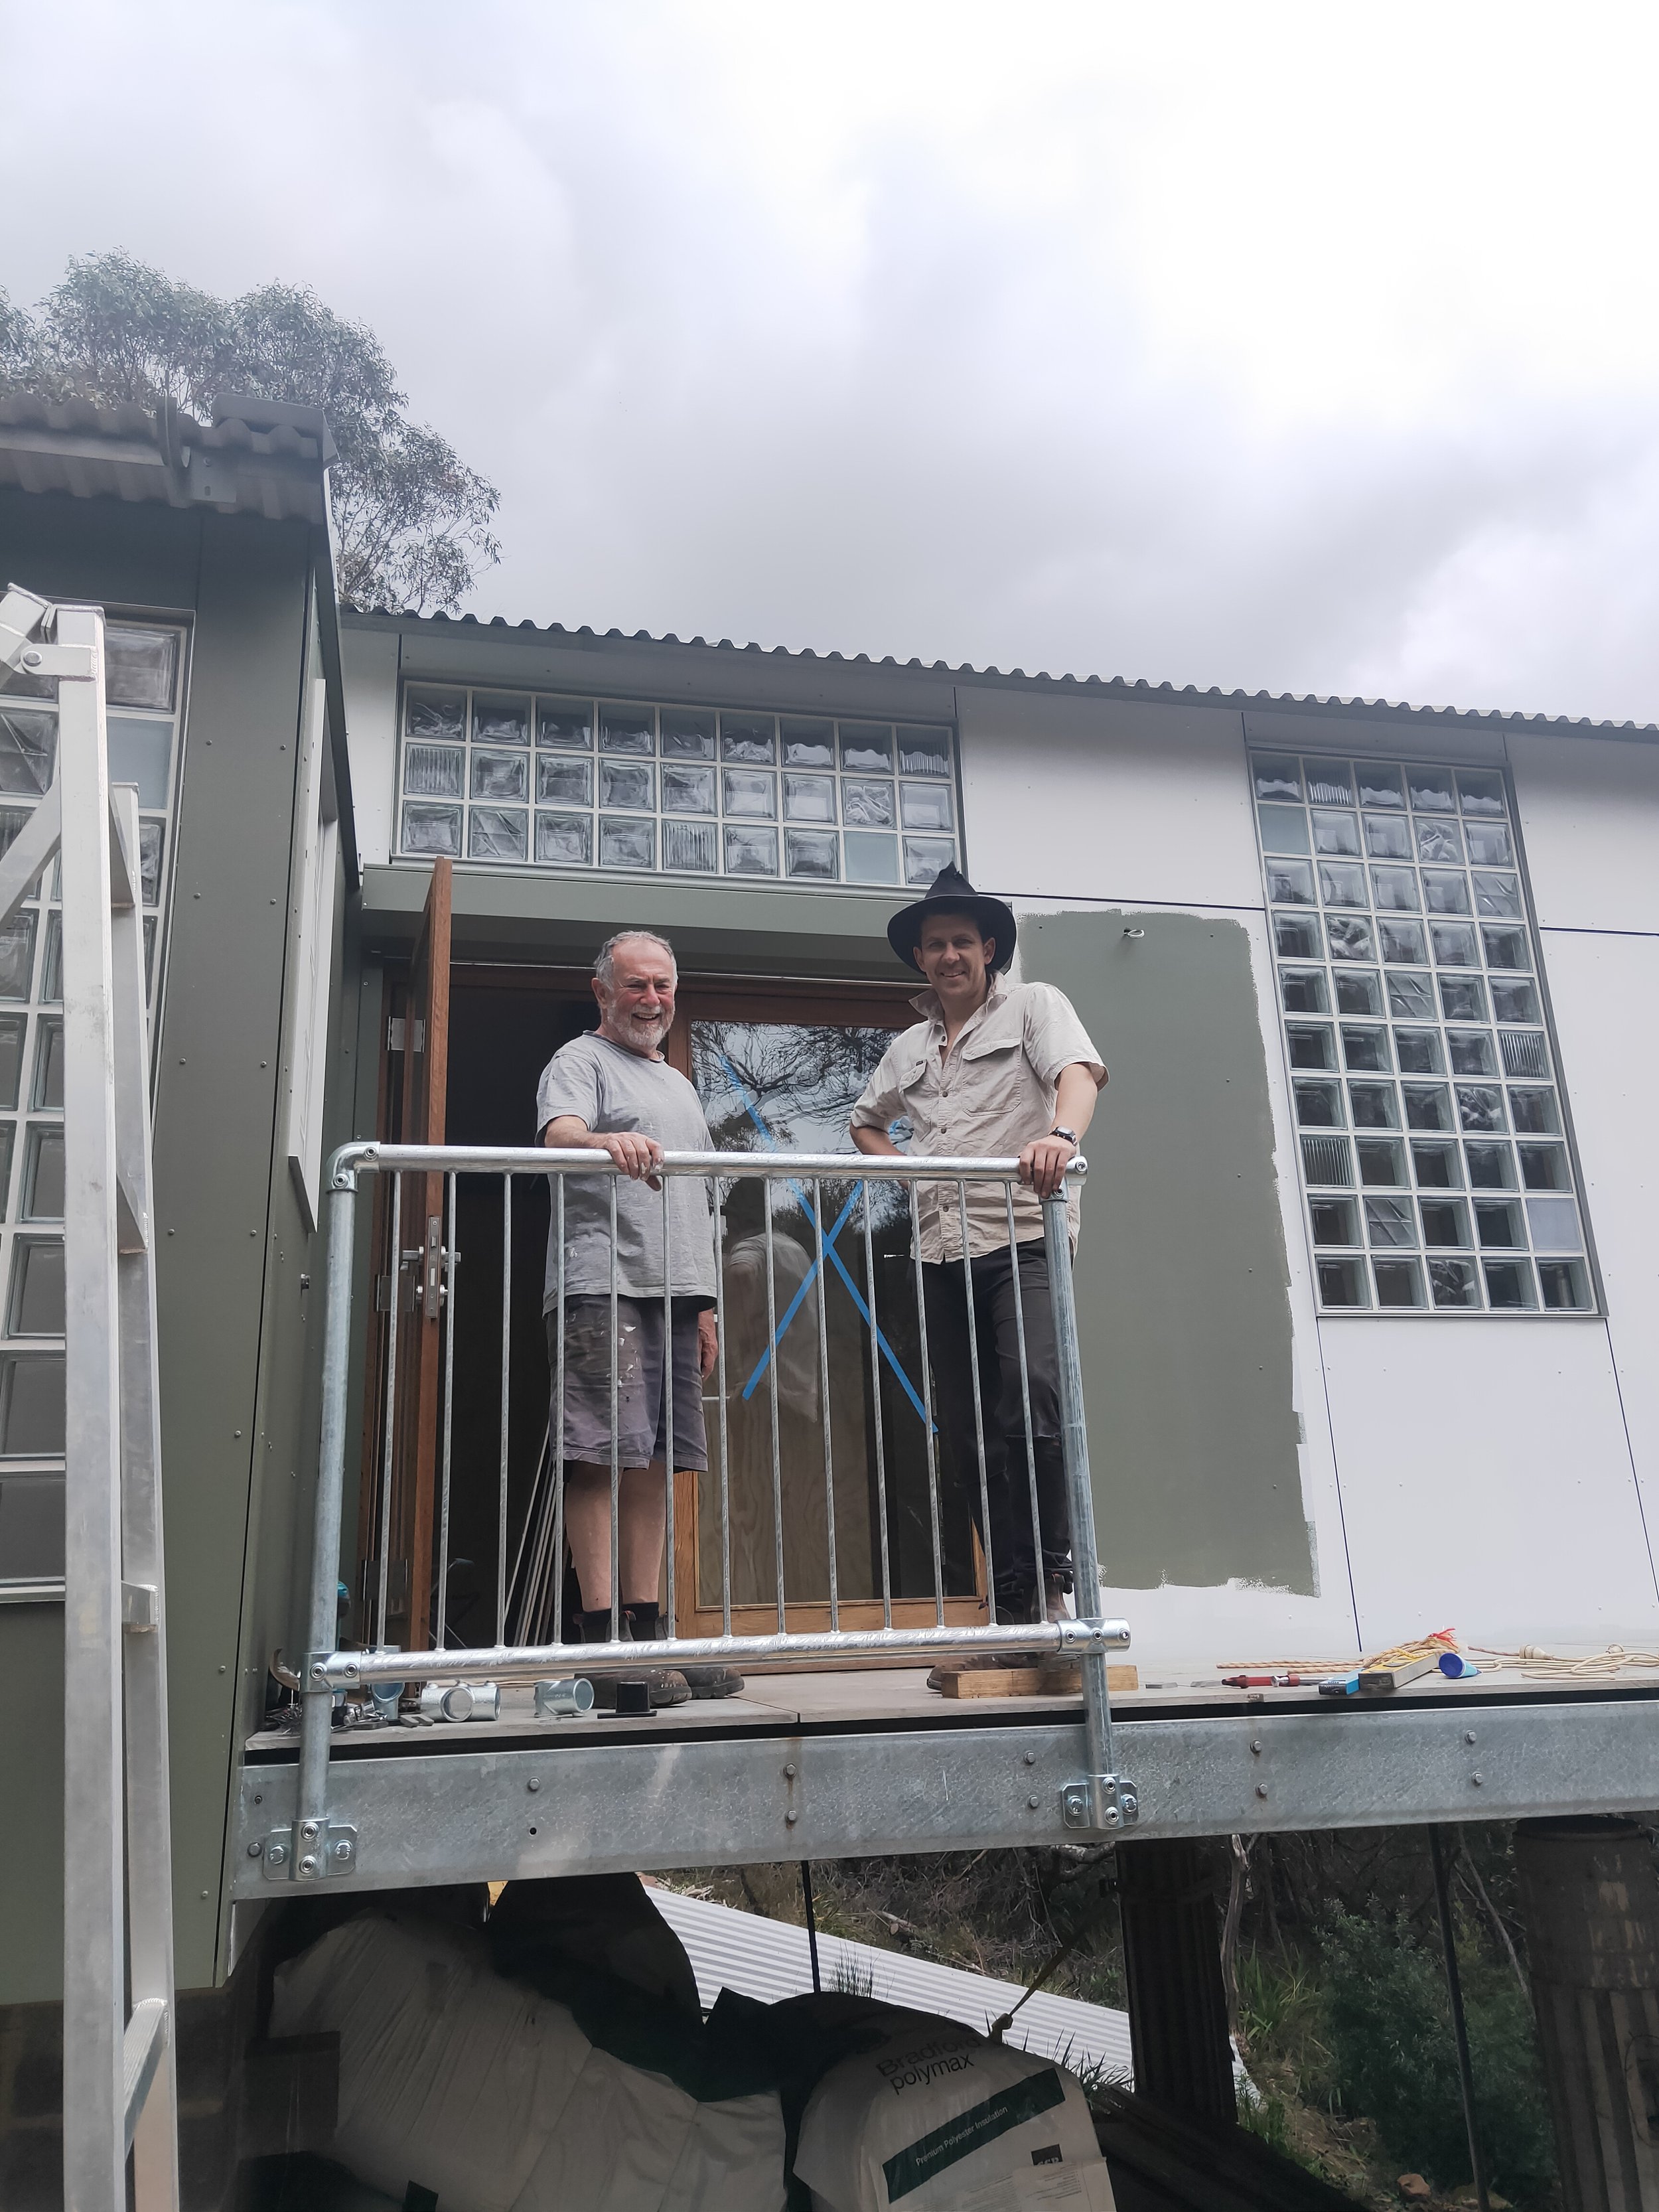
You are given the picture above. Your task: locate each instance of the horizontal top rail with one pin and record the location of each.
(368, 1158)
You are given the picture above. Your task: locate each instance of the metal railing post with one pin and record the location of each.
(1103, 1799)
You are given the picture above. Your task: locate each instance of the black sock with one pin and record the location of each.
(595, 1626)
(644, 1621)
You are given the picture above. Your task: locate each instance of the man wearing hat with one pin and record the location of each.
(991, 1069)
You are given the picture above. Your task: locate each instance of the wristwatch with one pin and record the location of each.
(1070, 1135)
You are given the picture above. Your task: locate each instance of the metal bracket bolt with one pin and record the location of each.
(308, 1851)
(1119, 1803)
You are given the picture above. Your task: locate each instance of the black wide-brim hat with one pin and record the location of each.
(951, 892)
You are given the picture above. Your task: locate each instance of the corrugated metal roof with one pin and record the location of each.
(1114, 687)
(255, 457)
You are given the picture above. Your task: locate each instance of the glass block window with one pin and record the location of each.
(534, 782)
(1427, 1102)
(144, 697)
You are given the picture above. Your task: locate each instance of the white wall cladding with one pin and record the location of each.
(1589, 811)
(369, 675)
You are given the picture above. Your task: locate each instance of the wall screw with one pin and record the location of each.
(789, 1773)
(532, 1784)
(255, 1851)
(277, 1854)
(1256, 1746)
(1260, 1789)
(1030, 1759)
(791, 1817)
(1468, 1735)
(343, 1849)
(1477, 1777)
(1033, 1802)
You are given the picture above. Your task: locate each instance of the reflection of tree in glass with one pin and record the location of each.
(802, 1080)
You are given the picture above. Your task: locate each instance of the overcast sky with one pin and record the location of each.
(1303, 347)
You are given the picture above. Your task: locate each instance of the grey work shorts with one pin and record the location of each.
(641, 1406)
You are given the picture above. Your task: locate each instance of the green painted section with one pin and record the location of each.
(1182, 1282)
(31, 1761)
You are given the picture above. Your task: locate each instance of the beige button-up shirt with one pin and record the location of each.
(988, 1098)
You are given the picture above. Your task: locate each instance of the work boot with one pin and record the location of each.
(1017, 1606)
(712, 1681)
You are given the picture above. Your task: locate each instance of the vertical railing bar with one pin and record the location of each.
(979, 1409)
(616, 1460)
(449, 1409)
(720, 1355)
(1026, 1403)
(556, 1433)
(875, 1397)
(506, 1364)
(668, 1395)
(927, 1405)
(823, 1407)
(386, 1452)
(772, 1401)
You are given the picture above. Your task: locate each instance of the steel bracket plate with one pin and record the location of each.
(1119, 1802)
(309, 1851)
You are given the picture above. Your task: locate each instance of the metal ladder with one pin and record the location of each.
(120, 2090)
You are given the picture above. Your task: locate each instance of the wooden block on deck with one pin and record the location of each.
(1030, 1682)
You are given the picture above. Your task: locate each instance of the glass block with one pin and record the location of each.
(628, 783)
(688, 790)
(1437, 1167)
(1380, 787)
(811, 853)
(35, 1307)
(1342, 1283)
(1565, 1285)
(1403, 944)
(1394, 891)
(1326, 1160)
(925, 856)
(51, 961)
(1490, 844)
(688, 733)
(1335, 1220)
(926, 806)
(502, 775)
(1311, 1044)
(1349, 937)
(867, 748)
(32, 1406)
(1492, 1167)
(1340, 885)
(1283, 830)
(923, 751)
(1276, 775)
(1399, 1282)
(1554, 1224)
(1443, 893)
(1481, 790)
(751, 793)
(626, 728)
(565, 840)
(809, 799)
(141, 667)
(750, 852)
(1418, 1052)
(1302, 990)
(1365, 1052)
(750, 738)
(1471, 1052)
(565, 725)
(499, 720)
(1505, 948)
(1296, 937)
(1454, 944)
(431, 830)
(1480, 1108)
(1432, 791)
(43, 1173)
(139, 752)
(1391, 1222)
(563, 782)
(1544, 1167)
(1388, 838)
(1524, 1053)
(867, 805)
(1319, 1105)
(12, 1059)
(872, 857)
(1533, 1112)
(1373, 1106)
(1514, 1002)
(1381, 1162)
(691, 846)
(810, 743)
(496, 833)
(151, 837)
(1452, 1283)
(1358, 991)
(1445, 1222)
(625, 844)
(1329, 783)
(13, 821)
(1337, 834)
(1498, 897)
(1427, 1106)
(1463, 998)
(46, 1092)
(1440, 842)
(1498, 1226)
(1510, 1285)
(437, 716)
(8, 1137)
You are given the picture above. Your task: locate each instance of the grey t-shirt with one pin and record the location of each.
(609, 1087)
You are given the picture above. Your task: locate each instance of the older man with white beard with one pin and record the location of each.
(612, 1091)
